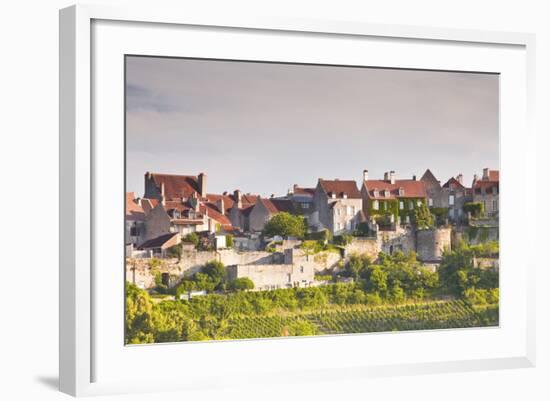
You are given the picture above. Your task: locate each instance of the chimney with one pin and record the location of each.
(392, 177)
(414, 177)
(386, 176)
(475, 180)
(194, 201)
(221, 205)
(202, 184)
(459, 178)
(162, 194)
(365, 175)
(238, 198)
(485, 173)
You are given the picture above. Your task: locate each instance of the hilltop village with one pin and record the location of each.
(298, 239)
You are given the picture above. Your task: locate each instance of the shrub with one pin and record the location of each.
(229, 241)
(241, 284)
(175, 251)
(474, 208)
(343, 239)
(192, 238)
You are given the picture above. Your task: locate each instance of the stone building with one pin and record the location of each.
(172, 187)
(391, 198)
(134, 232)
(337, 206)
(274, 276)
(265, 209)
(486, 191)
(302, 200)
(185, 217)
(452, 195)
(239, 214)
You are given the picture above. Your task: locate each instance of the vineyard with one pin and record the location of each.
(364, 319)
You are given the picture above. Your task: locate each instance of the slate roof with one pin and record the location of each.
(278, 205)
(157, 242)
(453, 183)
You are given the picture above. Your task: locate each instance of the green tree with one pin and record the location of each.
(215, 271)
(139, 316)
(285, 225)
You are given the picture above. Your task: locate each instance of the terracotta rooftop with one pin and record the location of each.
(176, 186)
(303, 191)
(340, 188)
(133, 210)
(411, 189)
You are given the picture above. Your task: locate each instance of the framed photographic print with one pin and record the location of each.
(289, 200)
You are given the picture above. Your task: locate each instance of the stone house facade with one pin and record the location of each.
(452, 195)
(390, 199)
(337, 206)
(134, 232)
(486, 191)
(265, 209)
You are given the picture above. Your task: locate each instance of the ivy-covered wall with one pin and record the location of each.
(391, 206)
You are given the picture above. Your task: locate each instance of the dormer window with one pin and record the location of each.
(332, 195)
(375, 193)
(386, 193)
(401, 191)
(176, 214)
(344, 195)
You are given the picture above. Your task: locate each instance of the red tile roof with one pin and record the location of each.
(412, 189)
(148, 204)
(303, 191)
(215, 215)
(177, 186)
(133, 210)
(494, 175)
(340, 188)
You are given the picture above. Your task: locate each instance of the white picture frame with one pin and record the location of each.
(88, 366)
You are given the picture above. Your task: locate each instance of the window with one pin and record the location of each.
(411, 205)
(301, 269)
(430, 202)
(351, 210)
(418, 203)
(495, 205)
(375, 205)
(305, 205)
(134, 231)
(451, 200)
(289, 278)
(401, 205)
(338, 211)
(495, 190)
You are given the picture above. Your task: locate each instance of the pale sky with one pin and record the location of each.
(262, 127)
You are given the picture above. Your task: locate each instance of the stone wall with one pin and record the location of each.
(140, 272)
(402, 239)
(269, 277)
(362, 246)
(430, 244)
(475, 235)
